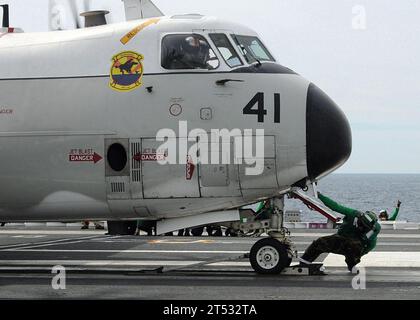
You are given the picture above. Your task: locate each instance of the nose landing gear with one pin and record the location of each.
(273, 254)
(270, 256)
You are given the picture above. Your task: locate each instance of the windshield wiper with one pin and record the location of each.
(245, 53)
(259, 64)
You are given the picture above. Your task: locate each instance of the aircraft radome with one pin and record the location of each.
(81, 113)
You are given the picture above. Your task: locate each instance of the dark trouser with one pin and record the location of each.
(184, 233)
(352, 249)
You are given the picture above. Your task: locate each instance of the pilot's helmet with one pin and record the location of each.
(192, 44)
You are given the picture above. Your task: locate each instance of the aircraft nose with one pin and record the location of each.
(328, 134)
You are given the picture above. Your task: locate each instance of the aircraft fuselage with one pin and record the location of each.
(65, 123)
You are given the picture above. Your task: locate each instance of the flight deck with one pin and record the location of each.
(129, 267)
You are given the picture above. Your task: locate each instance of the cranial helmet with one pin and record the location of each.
(372, 216)
(383, 214)
(366, 221)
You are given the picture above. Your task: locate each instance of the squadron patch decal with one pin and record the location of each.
(126, 71)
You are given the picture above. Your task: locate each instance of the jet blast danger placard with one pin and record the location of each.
(84, 155)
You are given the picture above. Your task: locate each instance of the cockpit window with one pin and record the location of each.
(187, 51)
(253, 49)
(226, 49)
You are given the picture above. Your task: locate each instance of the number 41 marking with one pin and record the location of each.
(260, 110)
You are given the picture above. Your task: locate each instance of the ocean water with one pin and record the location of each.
(368, 192)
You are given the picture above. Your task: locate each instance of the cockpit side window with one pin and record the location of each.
(187, 51)
(253, 49)
(226, 49)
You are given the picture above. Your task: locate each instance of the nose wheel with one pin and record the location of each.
(270, 256)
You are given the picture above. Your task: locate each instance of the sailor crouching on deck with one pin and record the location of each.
(355, 237)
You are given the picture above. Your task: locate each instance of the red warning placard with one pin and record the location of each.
(84, 155)
(150, 157)
(190, 167)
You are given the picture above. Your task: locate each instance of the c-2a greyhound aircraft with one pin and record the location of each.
(80, 113)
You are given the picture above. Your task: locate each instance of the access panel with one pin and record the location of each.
(175, 180)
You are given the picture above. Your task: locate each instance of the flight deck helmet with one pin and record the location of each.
(383, 215)
(366, 221)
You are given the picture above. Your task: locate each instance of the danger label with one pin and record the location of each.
(6, 111)
(84, 155)
(150, 157)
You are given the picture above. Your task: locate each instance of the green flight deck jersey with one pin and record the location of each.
(349, 227)
(394, 214)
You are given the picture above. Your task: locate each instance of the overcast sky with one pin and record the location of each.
(370, 67)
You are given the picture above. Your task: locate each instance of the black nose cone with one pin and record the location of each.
(328, 134)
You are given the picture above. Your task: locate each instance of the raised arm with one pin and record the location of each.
(396, 212)
(337, 207)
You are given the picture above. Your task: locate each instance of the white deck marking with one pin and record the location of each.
(374, 259)
(52, 232)
(65, 242)
(101, 232)
(125, 251)
(47, 243)
(379, 259)
(381, 235)
(29, 236)
(165, 241)
(127, 263)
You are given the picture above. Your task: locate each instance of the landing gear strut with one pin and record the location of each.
(273, 254)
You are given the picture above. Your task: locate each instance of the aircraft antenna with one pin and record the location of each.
(141, 9)
(5, 15)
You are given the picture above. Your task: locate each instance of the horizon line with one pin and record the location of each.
(391, 173)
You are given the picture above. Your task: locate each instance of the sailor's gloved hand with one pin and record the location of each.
(398, 203)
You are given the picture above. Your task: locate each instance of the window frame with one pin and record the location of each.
(204, 36)
(238, 54)
(264, 47)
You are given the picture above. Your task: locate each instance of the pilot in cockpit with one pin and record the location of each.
(196, 52)
(186, 52)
